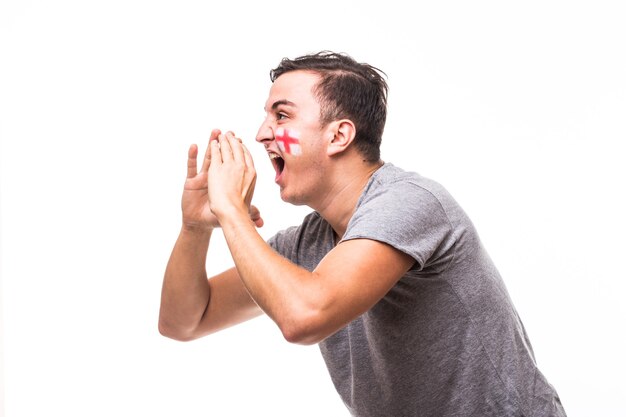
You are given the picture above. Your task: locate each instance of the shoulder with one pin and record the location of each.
(392, 181)
(394, 192)
(412, 213)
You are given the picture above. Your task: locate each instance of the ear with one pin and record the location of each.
(341, 134)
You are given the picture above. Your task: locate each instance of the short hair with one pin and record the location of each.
(347, 90)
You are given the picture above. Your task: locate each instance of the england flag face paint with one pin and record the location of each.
(288, 141)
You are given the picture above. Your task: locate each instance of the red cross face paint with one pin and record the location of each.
(288, 141)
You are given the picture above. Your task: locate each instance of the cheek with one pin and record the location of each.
(288, 141)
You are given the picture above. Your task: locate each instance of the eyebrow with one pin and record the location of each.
(283, 102)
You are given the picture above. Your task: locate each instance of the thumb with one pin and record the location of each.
(255, 216)
(250, 192)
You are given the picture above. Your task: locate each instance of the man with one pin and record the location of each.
(387, 274)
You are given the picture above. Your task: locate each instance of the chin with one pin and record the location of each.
(291, 199)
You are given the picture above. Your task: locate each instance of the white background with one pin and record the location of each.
(519, 110)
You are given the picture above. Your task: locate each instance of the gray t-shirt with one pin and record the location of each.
(446, 339)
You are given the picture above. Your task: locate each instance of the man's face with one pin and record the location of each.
(293, 136)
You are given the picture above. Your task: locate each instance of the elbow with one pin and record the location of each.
(294, 336)
(308, 330)
(298, 337)
(175, 332)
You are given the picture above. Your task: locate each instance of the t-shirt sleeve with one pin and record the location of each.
(284, 242)
(407, 217)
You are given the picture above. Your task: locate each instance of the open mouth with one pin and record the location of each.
(278, 162)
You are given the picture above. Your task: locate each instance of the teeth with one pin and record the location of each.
(274, 156)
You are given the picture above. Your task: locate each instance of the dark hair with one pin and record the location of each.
(347, 89)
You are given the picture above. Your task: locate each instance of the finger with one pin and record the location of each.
(250, 174)
(192, 158)
(225, 148)
(236, 147)
(254, 212)
(248, 191)
(207, 156)
(255, 216)
(215, 152)
(247, 157)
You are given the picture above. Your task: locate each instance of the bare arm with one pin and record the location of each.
(185, 293)
(310, 306)
(191, 305)
(307, 306)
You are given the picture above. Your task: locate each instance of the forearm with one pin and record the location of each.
(286, 292)
(185, 293)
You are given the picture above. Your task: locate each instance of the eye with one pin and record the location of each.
(281, 116)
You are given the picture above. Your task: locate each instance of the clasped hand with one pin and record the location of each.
(224, 186)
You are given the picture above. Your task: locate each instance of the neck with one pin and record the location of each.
(346, 186)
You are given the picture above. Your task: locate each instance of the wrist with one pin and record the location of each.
(233, 215)
(230, 212)
(196, 230)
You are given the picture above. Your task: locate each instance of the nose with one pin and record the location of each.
(265, 133)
